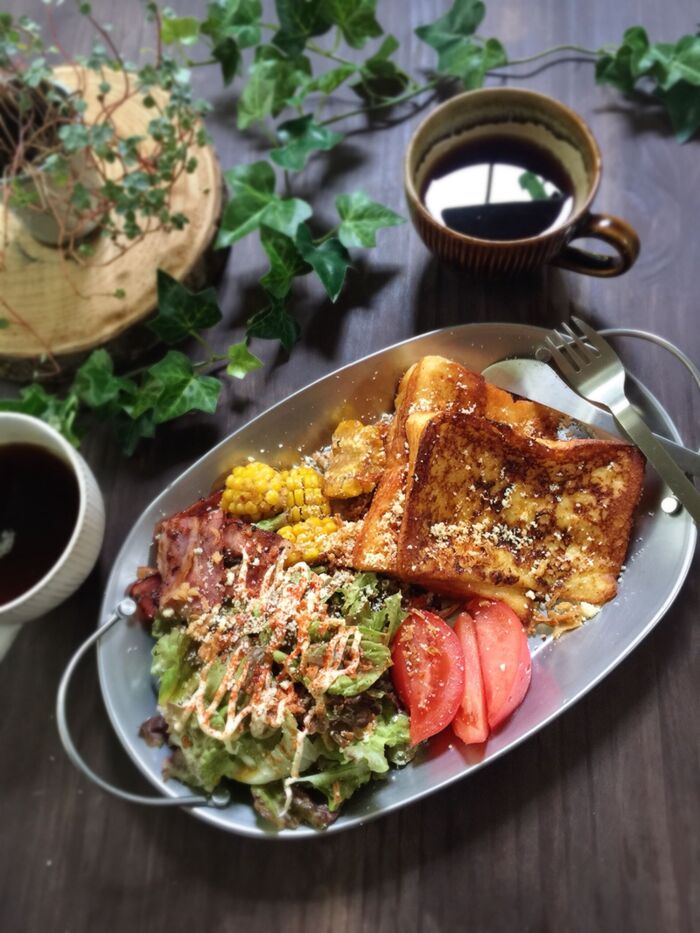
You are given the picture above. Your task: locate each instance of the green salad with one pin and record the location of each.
(287, 692)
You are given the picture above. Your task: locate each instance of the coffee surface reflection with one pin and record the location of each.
(499, 188)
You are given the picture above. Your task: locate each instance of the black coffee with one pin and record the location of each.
(39, 501)
(499, 187)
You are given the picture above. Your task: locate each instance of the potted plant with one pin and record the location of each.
(39, 179)
(68, 166)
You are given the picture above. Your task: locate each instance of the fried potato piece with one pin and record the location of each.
(525, 416)
(357, 460)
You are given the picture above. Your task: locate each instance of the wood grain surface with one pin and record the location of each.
(592, 825)
(85, 310)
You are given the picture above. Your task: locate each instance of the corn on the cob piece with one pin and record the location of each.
(254, 491)
(308, 539)
(305, 498)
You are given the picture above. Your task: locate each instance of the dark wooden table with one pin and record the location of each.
(594, 824)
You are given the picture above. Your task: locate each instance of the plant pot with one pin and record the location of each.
(41, 196)
(42, 201)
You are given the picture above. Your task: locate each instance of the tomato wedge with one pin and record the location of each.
(470, 724)
(428, 672)
(504, 657)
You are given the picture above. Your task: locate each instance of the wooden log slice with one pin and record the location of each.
(55, 302)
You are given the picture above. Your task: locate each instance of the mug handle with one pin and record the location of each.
(612, 230)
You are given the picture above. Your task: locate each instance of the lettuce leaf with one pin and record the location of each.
(375, 658)
(389, 732)
(336, 781)
(339, 775)
(259, 761)
(170, 666)
(203, 761)
(372, 603)
(202, 764)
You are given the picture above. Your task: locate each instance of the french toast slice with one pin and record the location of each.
(433, 384)
(492, 512)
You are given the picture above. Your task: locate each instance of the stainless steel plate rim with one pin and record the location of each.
(122, 657)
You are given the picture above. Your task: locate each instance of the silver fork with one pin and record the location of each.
(591, 367)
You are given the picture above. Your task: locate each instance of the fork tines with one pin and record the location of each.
(577, 350)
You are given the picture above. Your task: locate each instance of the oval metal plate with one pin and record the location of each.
(658, 561)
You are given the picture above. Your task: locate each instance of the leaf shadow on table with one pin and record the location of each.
(445, 297)
(643, 116)
(312, 308)
(327, 168)
(177, 444)
(366, 281)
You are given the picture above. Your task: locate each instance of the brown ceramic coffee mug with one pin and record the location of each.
(475, 209)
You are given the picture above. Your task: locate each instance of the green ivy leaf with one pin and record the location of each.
(59, 413)
(328, 259)
(183, 29)
(95, 383)
(324, 83)
(673, 71)
(355, 19)
(623, 68)
(458, 24)
(676, 63)
(361, 218)
(233, 19)
(172, 388)
(285, 262)
(4, 323)
(274, 322)
(460, 55)
(299, 138)
(682, 102)
(241, 361)
(299, 20)
(272, 80)
(80, 197)
(228, 55)
(255, 202)
(232, 25)
(129, 431)
(181, 312)
(379, 76)
(473, 60)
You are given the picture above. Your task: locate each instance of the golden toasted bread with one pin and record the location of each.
(492, 512)
(433, 384)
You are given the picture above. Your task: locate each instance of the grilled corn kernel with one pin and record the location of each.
(308, 539)
(305, 497)
(254, 491)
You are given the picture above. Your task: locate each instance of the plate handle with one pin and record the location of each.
(126, 608)
(660, 342)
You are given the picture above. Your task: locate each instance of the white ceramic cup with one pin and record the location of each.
(81, 552)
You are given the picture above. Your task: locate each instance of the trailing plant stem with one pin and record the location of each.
(387, 102)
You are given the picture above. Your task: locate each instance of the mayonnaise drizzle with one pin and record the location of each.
(289, 601)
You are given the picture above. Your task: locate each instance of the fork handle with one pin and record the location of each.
(635, 428)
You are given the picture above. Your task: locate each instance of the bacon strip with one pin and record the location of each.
(195, 549)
